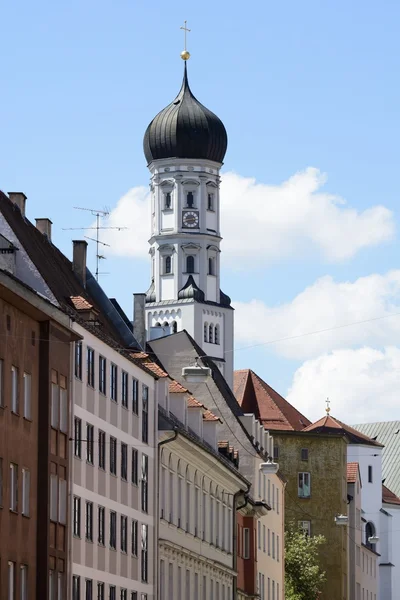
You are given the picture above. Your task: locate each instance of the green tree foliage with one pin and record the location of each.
(303, 577)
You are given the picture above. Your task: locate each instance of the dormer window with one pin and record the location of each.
(190, 199)
(210, 202)
(190, 264)
(168, 201)
(167, 265)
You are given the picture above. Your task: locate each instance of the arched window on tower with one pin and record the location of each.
(211, 333)
(190, 264)
(168, 265)
(211, 266)
(190, 199)
(206, 332)
(216, 334)
(370, 532)
(174, 326)
(210, 202)
(168, 201)
(165, 324)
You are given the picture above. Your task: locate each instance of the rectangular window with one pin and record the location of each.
(90, 366)
(246, 542)
(134, 596)
(113, 455)
(124, 594)
(144, 482)
(114, 382)
(100, 591)
(77, 517)
(304, 454)
(135, 396)
(102, 375)
(24, 582)
(269, 542)
(55, 406)
(277, 548)
(259, 534)
(14, 390)
(89, 521)
(13, 487)
(102, 449)
(264, 538)
(89, 589)
(26, 485)
(210, 202)
(63, 410)
(124, 534)
(124, 462)
(113, 530)
(304, 485)
(78, 437)
(78, 360)
(11, 580)
(369, 473)
(145, 414)
(27, 396)
(273, 545)
(144, 553)
(277, 500)
(101, 522)
(62, 501)
(76, 587)
(1, 383)
(269, 492)
(113, 592)
(89, 443)
(134, 538)
(124, 389)
(135, 466)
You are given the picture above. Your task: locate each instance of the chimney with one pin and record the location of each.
(139, 325)
(44, 226)
(19, 199)
(79, 260)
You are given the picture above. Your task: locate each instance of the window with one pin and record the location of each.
(211, 266)
(246, 542)
(144, 556)
(89, 589)
(273, 545)
(13, 487)
(24, 582)
(62, 501)
(78, 437)
(190, 264)
(304, 485)
(369, 533)
(269, 542)
(206, 332)
(55, 405)
(124, 462)
(145, 414)
(210, 202)
(102, 374)
(113, 455)
(124, 594)
(26, 484)
(77, 517)
(1, 383)
(113, 530)
(101, 521)
(78, 360)
(305, 526)
(167, 265)
(211, 333)
(134, 538)
(90, 366)
(89, 443)
(135, 467)
(190, 199)
(369, 473)
(134, 596)
(304, 454)
(124, 389)
(277, 548)
(124, 533)
(276, 452)
(11, 580)
(216, 334)
(100, 591)
(27, 396)
(14, 390)
(168, 201)
(102, 450)
(1, 482)
(264, 540)
(144, 482)
(113, 382)
(277, 500)
(63, 410)
(89, 521)
(135, 396)
(188, 507)
(76, 587)
(113, 592)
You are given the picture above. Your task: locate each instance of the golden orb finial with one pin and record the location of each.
(185, 55)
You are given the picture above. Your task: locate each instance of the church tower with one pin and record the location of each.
(184, 146)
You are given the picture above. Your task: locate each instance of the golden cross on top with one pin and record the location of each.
(328, 408)
(185, 29)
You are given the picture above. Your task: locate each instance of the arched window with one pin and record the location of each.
(165, 324)
(211, 269)
(216, 334)
(190, 199)
(370, 532)
(168, 264)
(211, 333)
(158, 324)
(168, 200)
(174, 326)
(190, 264)
(206, 332)
(210, 202)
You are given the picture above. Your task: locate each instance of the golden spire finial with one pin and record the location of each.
(328, 408)
(185, 55)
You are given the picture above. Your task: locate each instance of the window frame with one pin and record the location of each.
(102, 443)
(135, 466)
(113, 455)
(90, 355)
(88, 521)
(124, 389)
(300, 486)
(77, 437)
(101, 525)
(304, 454)
(113, 530)
(90, 443)
(124, 461)
(27, 379)
(246, 542)
(123, 540)
(134, 537)
(14, 390)
(102, 375)
(78, 360)
(190, 264)
(135, 395)
(76, 516)
(114, 382)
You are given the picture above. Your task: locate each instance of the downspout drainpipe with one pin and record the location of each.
(236, 508)
(157, 516)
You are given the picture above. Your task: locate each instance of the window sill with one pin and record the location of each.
(14, 512)
(78, 378)
(136, 485)
(190, 273)
(167, 274)
(78, 457)
(168, 210)
(125, 407)
(88, 540)
(212, 210)
(29, 420)
(115, 401)
(101, 544)
(76, 536)
(89, 463)
(102, 469)
(26, 516)
(90, 386)
(102, 394)
(13, 412)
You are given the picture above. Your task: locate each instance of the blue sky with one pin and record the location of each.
(297, 85)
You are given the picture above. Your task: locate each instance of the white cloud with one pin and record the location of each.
(362, 385)
(290, 219)
(325, 304)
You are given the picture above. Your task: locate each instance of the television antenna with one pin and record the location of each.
(99, 214)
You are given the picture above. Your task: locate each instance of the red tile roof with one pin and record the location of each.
(80, 303)
(155, 368)
(209, 416)
(389, 497)
(330, 423)
(193, 403)
(255, 396)
(176, 388)
(352, 472)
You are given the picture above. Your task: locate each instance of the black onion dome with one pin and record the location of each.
(185, 129)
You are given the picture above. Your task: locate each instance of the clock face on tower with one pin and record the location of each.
(190, 218)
